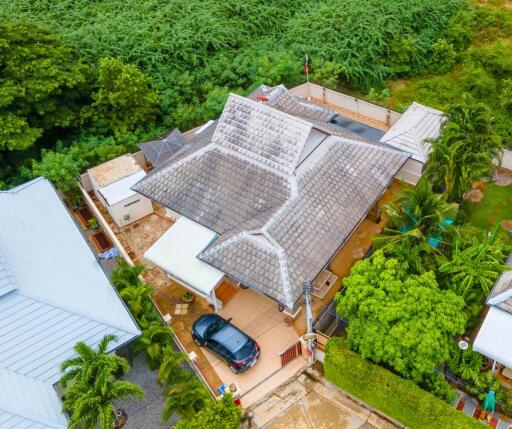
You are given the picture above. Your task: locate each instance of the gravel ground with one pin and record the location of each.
(145, 414)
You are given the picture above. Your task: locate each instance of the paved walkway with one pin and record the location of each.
(309, 401)
(473, 408)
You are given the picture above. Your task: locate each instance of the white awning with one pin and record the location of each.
(176, 253)
(121, 190)
(494, 338)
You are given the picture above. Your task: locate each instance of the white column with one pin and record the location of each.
(214, 300)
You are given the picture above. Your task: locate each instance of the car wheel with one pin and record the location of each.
(233, 369)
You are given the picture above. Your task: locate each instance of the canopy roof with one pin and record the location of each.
(494, 338)
(176, 253)
(121, 190)
(159, 151)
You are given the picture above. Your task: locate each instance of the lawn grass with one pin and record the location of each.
(399, 398)
(494, 207)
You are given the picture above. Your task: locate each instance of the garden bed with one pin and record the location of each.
(399, 398)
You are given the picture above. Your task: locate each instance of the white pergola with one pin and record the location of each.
(176, 252)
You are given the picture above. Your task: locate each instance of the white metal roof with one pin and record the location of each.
(176, 253)
(56, 296)
(120, 190)
(416, 125)
(494, 338)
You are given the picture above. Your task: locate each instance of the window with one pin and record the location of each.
(132, 203)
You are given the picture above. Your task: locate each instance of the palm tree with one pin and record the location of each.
(170, 370)
(126, 275)
(138, 299)
(466, 149)
(93, 403)
(154, 337)
(418, 215)
(87, 363)
(476, 266)
(185, 397)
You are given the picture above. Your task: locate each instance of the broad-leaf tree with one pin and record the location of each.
(474, 267)
(397, 318)
(124, 99)
(41, 84)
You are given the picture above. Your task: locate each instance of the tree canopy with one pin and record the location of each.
(403, 320)
(41, 84)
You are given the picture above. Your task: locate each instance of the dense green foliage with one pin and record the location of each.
(91, 378)
(465, 150)
(40, 85)
(401, 319)
(188, 55)
(221, 414)
(399, 398)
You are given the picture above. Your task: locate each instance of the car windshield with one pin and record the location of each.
(214, 327)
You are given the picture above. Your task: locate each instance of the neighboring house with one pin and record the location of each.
(270, 191)
(412, 132)
(53, 294)
(494, 338)
(112, 182)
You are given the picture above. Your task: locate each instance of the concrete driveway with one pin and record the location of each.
(309, 401)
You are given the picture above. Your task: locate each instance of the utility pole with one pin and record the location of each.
(310, 337)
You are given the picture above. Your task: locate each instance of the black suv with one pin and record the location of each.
(227, 341)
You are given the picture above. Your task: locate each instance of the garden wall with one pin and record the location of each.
(345, 101)
(399, 398)
(506, 161)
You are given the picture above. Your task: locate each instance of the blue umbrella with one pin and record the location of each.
(490, 401)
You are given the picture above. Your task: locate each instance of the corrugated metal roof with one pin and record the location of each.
(62, 297)
(414, 128)
(7, 282)
(494, 338)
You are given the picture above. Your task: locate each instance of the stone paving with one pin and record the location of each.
(309, 401)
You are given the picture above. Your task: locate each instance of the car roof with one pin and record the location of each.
(230, 337)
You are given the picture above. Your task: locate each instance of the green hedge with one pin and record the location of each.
(395, 396)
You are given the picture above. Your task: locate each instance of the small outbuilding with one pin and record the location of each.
(112, 182)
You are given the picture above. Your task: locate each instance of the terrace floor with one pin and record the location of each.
(353, 115)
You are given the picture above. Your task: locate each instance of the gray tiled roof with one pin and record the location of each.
(335, 191)
(281, 215)
(216, 188)
(267, 136)
(159, 151)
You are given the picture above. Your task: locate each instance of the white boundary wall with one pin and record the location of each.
(506, 161)
(348, 102)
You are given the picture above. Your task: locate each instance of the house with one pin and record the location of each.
(494, 338)
(267, 194)
(111, 182)
(53, 294)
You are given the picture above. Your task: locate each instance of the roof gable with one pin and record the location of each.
(414, 128)
(265, 135)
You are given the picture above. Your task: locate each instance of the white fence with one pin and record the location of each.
(347, 102)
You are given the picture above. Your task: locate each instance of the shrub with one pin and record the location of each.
(478, 82)
(221, 414)
(399, 398)
(444, 56)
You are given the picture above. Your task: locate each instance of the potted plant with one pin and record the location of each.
(188, 297)
(93, 223)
